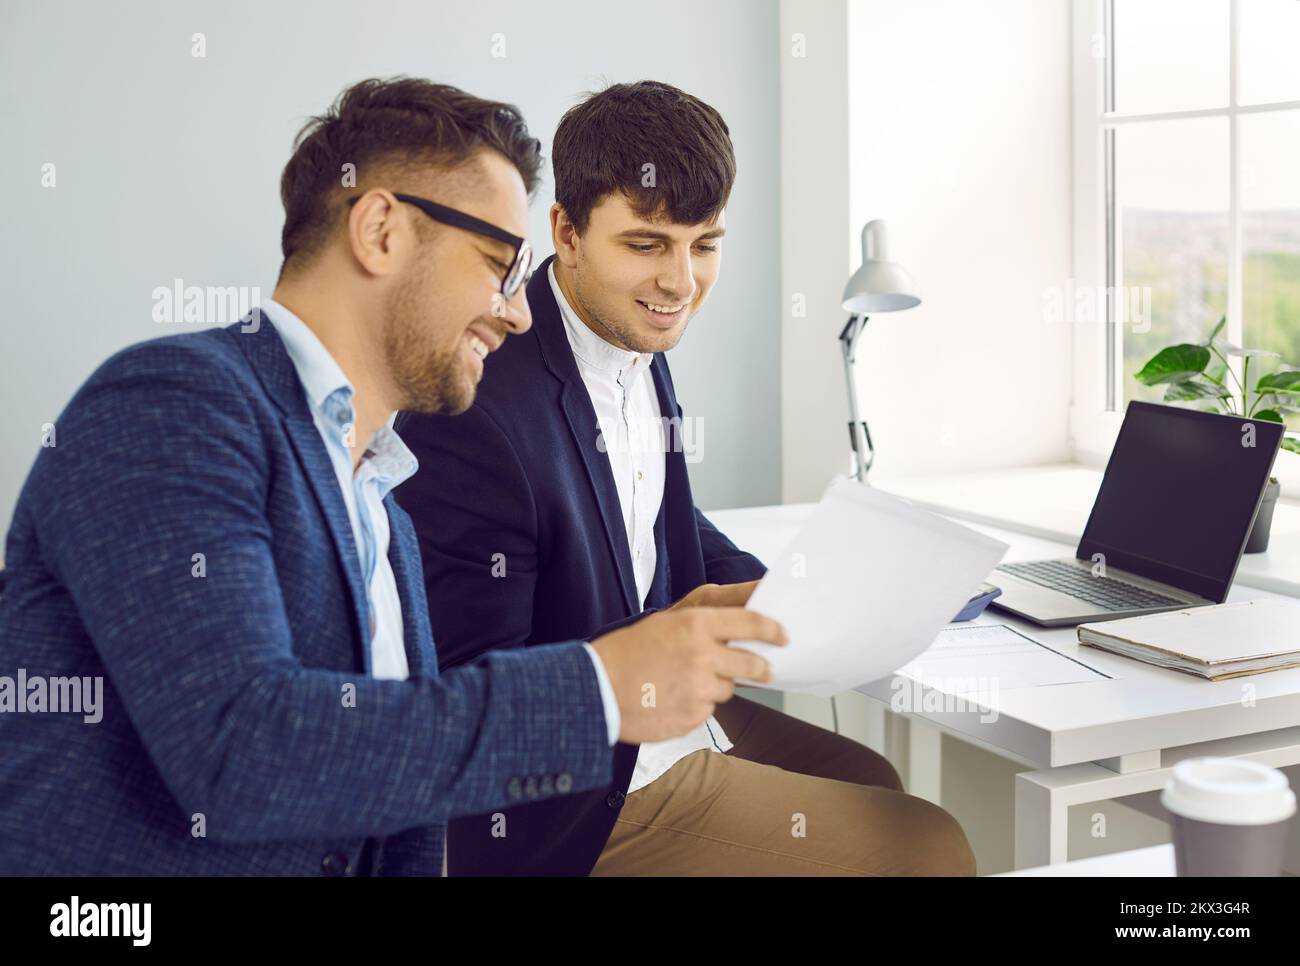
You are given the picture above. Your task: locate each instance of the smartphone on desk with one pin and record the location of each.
(975, 606)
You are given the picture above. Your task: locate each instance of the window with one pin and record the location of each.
(1187, 192)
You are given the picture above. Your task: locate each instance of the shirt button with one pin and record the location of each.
(615, 799)
(640, 475)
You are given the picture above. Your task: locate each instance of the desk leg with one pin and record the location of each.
(1044, 798)
(915, 749)
(1042, 823)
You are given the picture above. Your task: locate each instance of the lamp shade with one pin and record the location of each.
(878, 285)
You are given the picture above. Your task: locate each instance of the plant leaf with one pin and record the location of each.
(1284, 379)
(1291, 444)
(1236, 350)
(1195, 388)
(1175, 363)
(1216, 330)
(1272, 415)
(1217, 373)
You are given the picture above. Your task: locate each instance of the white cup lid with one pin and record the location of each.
(1228, 791)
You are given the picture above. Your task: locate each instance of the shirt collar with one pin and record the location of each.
(330, 393)
(389, 460)
(590, 347)
(318, 372)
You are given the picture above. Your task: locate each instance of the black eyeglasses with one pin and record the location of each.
(519, 271)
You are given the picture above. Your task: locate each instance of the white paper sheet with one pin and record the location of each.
(979, 656)
(865, 587)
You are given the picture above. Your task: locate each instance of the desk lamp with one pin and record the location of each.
(878, 286)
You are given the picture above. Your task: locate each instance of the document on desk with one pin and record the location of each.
(976, 657)
(865, 587)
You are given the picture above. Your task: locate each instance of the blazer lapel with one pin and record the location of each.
(267, 355)
(581, 418)
(668, 410)
(677, 513)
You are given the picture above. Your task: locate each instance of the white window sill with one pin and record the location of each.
(1053, 502)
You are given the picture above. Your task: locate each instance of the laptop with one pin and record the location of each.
(1169, 525)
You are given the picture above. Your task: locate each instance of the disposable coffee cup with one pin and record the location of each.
(1228, 816)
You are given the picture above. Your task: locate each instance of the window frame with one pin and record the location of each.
(1096, 409)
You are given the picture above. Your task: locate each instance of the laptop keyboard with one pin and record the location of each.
(1076, 581)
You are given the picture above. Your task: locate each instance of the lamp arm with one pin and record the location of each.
(859, 436)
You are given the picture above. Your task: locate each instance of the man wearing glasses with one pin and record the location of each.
(213, 538)
(514, 274)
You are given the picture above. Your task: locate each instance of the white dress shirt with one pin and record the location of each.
(632, 435)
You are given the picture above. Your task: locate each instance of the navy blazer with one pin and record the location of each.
(240, 732)
(523, 541)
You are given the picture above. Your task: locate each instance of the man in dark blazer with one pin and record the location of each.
(562, 506)
(215, 654)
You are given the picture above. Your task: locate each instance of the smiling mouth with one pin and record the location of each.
(483, 341)
(663, 315)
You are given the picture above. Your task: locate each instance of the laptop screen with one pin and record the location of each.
(1179, 496)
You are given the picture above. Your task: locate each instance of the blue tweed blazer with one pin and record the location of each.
(240, 731)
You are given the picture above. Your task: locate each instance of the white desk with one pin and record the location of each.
(1088, 742)
(1155, 861)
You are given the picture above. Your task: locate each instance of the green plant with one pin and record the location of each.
(1185, 369)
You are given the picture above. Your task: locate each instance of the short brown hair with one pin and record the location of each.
(399, 121)
(603, 144)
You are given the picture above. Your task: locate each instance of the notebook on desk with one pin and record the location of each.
(1218, 642)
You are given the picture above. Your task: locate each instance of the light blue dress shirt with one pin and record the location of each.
(387, 462)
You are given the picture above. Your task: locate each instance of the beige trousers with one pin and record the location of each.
(789, 799)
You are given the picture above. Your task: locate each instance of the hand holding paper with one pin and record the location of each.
(865, 587)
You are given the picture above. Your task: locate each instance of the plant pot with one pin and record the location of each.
(1258, 541)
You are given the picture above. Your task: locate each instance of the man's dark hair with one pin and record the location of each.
(385, 127)
(603, 145)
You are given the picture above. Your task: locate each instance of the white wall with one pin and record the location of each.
(168, 167)
(958, 134)
(960, 139)
(814, 261)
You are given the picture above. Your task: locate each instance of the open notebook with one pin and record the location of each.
(1217, 642)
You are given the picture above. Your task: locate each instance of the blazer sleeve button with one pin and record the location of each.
(335, 864)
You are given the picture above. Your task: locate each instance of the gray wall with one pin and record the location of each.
(167, 167)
